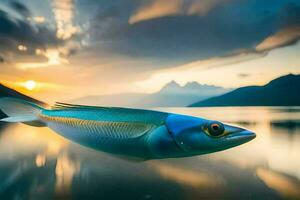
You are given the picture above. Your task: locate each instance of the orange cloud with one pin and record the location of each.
(156, 9)
(283, 37)
(53, 58)
(203, 7)
(39, 19)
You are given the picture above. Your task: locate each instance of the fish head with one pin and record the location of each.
(197, 136)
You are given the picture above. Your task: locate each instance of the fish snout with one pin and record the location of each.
(242, 136)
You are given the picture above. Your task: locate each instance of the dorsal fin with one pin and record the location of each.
(60, 106)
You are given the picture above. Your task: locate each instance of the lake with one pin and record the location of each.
(36, 163)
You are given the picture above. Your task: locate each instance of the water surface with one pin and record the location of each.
(36, 163)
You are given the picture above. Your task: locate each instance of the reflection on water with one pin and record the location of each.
(35, 163)
(65, 170)
(189, 177)
(285, 186)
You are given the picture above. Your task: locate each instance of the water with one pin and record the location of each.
(35, 163)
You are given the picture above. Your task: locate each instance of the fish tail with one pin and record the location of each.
(19, 110)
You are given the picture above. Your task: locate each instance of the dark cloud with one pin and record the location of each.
(1, 59)
(16, 31)
(20, 8)
(220, 29)
(289, 15)
(227, 28)
(23, 31)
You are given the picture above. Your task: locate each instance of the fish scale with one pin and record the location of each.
(116, 130)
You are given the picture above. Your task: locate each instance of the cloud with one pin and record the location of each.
(53, 58)
(168, 32)
(16, 31)
(203, 7)
(243, 75)
(211, 36)
(221, 61)
(39, 19)
(64, 15)
(287, 36)
(155, 9)
(186, 71)
(20, 8)
(28, 39)
(199, 35)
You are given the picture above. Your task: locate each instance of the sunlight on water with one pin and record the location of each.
(65, 170)
(187, 176)
(288, 188)
(36, 163)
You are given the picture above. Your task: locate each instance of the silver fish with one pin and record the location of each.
(134, 133)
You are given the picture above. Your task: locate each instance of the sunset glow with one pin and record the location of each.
(150, 99)
(30, 85)
(111, 48)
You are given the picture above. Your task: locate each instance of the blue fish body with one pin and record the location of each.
(135, 133)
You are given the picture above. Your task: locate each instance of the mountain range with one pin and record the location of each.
(171, 95)
(282, 91)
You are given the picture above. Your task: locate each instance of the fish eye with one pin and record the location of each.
(215, 129)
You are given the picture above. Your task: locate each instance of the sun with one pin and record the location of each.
(30, 85)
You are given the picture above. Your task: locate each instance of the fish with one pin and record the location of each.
(128, 132)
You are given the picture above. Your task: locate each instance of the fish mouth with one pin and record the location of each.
(241, 136)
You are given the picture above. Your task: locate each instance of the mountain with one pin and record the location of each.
(282, 91)
(8, 92)
(172, 94)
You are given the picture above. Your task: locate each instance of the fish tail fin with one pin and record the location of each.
(19, 110)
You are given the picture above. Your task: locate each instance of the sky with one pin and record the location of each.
(57, 50)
